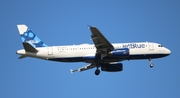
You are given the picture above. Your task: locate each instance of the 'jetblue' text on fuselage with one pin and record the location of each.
(134, 45)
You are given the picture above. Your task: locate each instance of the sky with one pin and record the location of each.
(64, 22)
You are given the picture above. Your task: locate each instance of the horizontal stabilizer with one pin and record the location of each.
(22, 56)
(29, 48)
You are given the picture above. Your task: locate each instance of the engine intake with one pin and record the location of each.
(112, 67)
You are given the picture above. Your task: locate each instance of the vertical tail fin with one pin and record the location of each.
(28, 36)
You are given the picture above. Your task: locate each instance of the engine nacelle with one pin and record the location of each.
(119, 52)
(112, 67)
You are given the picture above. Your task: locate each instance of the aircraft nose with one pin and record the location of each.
(168, 51)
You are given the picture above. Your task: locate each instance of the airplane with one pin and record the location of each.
(102, 54)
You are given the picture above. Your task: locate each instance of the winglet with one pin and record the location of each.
(89, 26)
(72, 71)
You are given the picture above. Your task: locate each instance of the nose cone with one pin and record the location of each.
(168, 51)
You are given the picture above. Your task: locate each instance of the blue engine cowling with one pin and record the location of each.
(112, 67)
(119, 52)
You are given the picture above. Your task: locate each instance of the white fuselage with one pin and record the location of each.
(76, 53)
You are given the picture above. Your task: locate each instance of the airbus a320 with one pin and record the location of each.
(102, 54)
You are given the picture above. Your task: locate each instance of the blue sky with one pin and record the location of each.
(61, 22)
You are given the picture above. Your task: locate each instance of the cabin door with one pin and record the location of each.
(151, 47)
(50, 50)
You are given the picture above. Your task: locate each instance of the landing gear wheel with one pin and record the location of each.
(151, 65)
(97, 72)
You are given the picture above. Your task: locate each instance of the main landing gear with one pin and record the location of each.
(151, 64)
(97, 71)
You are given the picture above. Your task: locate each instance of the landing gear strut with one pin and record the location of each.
(97, 71)
(151, 64)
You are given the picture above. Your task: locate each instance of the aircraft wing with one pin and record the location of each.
(102, 45)
(89, 66)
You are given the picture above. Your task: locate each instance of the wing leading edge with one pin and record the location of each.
(102, 45)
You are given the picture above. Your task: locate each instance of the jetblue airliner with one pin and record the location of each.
(102, 54)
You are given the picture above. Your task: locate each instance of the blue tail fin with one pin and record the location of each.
(28, 36)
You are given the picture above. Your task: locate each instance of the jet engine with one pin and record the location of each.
(113, 67)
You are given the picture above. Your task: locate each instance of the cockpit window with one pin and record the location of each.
(160, 46)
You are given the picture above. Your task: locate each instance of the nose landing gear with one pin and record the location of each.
(151, 64)
(97, 71)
